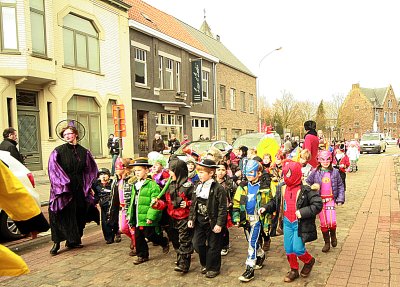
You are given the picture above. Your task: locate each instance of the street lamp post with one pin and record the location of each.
(258, 86)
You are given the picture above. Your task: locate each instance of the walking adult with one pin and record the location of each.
(113, 146)
(185, 139)
(311, 142)
(72, 170)
(173, 143)
(158, 143)
(10, 143)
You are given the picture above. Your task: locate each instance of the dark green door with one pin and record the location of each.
(29, 129)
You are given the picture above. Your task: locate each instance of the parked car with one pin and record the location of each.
(8, 229)
(372, 142)
(251, 140)
(391, 141)
(201, 147)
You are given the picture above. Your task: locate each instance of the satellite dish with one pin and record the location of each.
(71, 123)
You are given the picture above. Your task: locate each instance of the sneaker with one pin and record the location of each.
(224, 251)
(248, 275)
(180, 269)
(259, 262)
(212, 274)
(203, 270)
(140, 260)
(307, 268)
(292, 275)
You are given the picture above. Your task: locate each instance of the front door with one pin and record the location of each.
(29, 129)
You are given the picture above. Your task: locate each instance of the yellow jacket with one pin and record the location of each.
(16, 201)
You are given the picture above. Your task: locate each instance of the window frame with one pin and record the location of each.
(2, 40)
(222, 95)
(205, 83)
(142, 54)
(160, 71)
(87, 36)
(43, 14)
(169, 70)
(232, 97)
(251, 104)
(178, 76)
(395, 117)
(243, 101)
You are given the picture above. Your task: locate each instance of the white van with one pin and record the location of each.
(372, 143)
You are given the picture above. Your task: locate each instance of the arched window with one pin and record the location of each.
(81, 43)
(87, 112)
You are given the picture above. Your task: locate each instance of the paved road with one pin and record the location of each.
(367, 253)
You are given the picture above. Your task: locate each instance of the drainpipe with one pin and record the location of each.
(215, 101)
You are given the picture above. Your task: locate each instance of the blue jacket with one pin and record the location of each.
(337, 183)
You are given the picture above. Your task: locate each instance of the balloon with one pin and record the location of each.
(267, 145)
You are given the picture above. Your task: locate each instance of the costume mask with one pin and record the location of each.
(291, 173)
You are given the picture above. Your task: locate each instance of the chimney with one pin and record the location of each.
(356, 86)
(218, 38)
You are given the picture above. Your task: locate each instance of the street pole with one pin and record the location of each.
(258, 86)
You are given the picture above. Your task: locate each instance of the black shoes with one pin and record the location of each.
(212, 274)
(140, 260)
(259, 262)
(247, 275)
(55, 248)
(181, 269)
(73, 245)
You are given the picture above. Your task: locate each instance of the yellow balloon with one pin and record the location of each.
(268, 145)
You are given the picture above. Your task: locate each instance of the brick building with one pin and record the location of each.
(364, 105)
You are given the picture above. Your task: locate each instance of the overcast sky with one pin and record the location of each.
(326, 45)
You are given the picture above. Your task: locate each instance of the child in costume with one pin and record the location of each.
(276, 171)
(108, 200)
(300, 205)
(332, 193)
(178, 199)
(341, 162)
(249, 197)
(230, 188)
(208, 216)
(125, 180)
(141, 214)
(353, 153)
(193, 177)
(306, 168)
(159, 174)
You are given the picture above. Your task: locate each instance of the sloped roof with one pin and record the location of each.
(217, 49)
(377, 94)
(151, 17)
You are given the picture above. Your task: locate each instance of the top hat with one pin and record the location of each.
(208, 163)
(141, 161)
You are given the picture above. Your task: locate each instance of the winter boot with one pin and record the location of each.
(333, 237)
(327, 241)
(292, 275)
(247, 275)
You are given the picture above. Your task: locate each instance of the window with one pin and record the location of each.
(223, 134)
(110, 119)
(205, 84)
(251, 104)
(49, 121)
(8, 25)
(222, 96)
(169, 72)
(178, 76)
(233, 99)
(160, 71)
(385, 117)
(390, 117)
(249, 131)
(356, 124)
(236, 133)
(357, 107)
(140, 66)
(395, 118)
(81, 43)
(243, 99)
(87, 111)
(38, 27)
(389, 104)
(377, 116)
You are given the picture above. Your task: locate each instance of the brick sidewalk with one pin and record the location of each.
(370, 254)
(371, 199)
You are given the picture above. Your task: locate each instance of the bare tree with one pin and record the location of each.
(286, 110)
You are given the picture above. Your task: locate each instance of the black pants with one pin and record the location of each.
(343, 177)
(208, 245)
(149, 232)
(225, 237)
(181, 236)
(109, 228)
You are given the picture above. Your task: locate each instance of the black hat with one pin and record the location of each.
(141, 161)
(208, 163)
(244, 148)
(310, 125)
(257, 158)
(104, 171)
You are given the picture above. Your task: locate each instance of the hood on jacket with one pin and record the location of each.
(291, 173)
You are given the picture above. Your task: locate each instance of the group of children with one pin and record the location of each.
(195, 202)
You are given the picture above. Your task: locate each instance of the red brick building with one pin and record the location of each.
(364, 105)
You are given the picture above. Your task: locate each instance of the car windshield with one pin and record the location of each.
(250, 140)
(370, 137)
(198, 147)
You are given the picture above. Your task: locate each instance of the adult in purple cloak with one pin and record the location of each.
(72, 170)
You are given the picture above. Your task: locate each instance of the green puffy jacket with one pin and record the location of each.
(139, 209)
